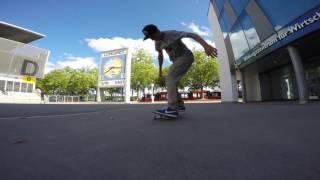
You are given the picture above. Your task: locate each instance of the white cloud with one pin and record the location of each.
(50, 66)
(201, 30)
(72, 62)
(239, 44)
(190, 43)
(66, 54)
(78, 62)
(104, 44)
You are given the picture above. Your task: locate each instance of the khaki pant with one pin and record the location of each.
(179, 67)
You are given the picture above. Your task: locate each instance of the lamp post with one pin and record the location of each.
(138, 87)
(152, 95)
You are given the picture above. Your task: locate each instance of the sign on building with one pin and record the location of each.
(18, 59)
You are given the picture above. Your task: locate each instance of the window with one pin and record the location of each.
(2, 85)
(225, 23)
(281, 13)
(249, 31)
(9, 86)
(16, 86)
(30, 88)
(23, 87)
(238, 5)
(238, 41)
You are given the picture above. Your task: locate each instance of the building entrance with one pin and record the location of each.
(313, 79)
(278, 84)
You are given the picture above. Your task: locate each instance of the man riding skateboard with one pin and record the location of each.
(181, 57)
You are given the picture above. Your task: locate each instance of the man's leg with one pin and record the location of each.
(180, 101)
(180, 66)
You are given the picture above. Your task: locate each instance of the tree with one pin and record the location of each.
(55, 82)
(203, 72)
(82, 81)
(160, 81)
(68, 81)
(143, 71)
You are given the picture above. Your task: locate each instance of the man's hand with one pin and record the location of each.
(210, 51)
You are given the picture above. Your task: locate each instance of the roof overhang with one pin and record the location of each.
(16, 33)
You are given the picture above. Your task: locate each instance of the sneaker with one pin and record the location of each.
(181, 108)
(168, 112)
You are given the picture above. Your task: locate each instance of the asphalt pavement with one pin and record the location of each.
(262, 141)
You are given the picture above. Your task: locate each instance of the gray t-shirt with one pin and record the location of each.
(172, 44)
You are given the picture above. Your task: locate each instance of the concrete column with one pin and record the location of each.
(243, 84)
(98, 95)
(228, 82)
(102, 95)
(5, 86)
(299, 73)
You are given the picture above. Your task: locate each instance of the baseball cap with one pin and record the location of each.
(148, 30)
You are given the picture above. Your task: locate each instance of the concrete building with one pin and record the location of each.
(21, 64)
(271, 47)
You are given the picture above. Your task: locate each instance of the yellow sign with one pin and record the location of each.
(29, 79)
(113, 68)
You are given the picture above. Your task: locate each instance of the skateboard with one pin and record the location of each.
(158, 116)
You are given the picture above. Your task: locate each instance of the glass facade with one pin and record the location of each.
(279, 23)
(249, 31)
(238, 5)
(220, 4)
(243, 36)
(280, 13)
(238, 41)
(243, 29)
(224, 24)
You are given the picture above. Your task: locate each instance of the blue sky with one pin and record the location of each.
(77, 30)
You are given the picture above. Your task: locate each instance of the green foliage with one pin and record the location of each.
(143, 71)
(68, 81)
(160, 81)
(203, 73)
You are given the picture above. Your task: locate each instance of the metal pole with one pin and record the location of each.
(152, 96)
(243, 84)
(128, 76)
(99, 79)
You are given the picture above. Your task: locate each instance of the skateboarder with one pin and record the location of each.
(181, 57)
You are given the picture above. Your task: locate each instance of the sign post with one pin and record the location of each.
(114, 71)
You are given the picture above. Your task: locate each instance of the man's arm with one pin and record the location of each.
(210, 51)
(160, 58)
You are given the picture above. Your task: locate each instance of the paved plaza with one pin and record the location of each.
(262, 141)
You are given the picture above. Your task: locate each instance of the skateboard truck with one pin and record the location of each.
(158, 116)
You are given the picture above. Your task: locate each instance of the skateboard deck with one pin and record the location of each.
(158, 115)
